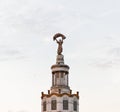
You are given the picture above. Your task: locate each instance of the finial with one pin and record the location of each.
(60, 42)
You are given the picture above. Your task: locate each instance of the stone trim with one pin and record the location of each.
(59, 95)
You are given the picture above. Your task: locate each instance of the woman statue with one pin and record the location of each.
(60, 42)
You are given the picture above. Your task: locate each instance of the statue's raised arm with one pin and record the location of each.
(60, 42)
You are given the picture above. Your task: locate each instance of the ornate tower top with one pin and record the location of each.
(60, 97)
(60, 70)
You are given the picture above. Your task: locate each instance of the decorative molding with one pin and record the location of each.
(59, 95)
(62, 65)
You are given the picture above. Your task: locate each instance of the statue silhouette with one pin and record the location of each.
(60, 42)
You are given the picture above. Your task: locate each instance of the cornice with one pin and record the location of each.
(59, 65)
(59, 95)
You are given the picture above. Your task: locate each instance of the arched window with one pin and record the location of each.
(53, 105)
(65, 104)
(75, 105)
(44, 106)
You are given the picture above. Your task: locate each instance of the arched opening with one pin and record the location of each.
(75, 105)
(44, 106)
(53, 105)
(65, 104)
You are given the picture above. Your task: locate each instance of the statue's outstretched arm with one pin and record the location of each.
(57, 41)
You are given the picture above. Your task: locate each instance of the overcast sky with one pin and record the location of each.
(27, 51)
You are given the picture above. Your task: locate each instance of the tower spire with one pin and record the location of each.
(60, 71)
(60, 97)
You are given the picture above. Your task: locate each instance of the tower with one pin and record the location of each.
(60, 97)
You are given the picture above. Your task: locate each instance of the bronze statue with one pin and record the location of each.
(60, 42)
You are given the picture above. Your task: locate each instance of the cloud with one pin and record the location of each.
(38, 17)
(18, 111)
(111, 59)
(102, 63)
(109, 12)
(10, 111)
(106, 63)
(8, 53)
(115, 52)
(22, 111)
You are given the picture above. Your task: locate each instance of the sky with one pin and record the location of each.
(91, 49)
